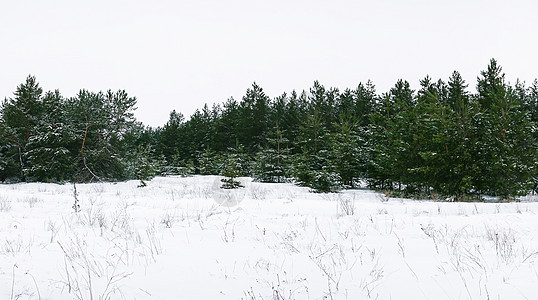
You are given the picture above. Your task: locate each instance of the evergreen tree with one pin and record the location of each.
(531, 101)
(227, 126)
(271, 162)
(254, 117)
(364, 100)
(99, 123)
(325, 178)
(144, 166)
(393, 153)
(323, 103)
(531, 106)
(404, 149)
(310, 137)
(348, 152)
(48, 158)
(313, 166)
(293, 119)
(461, 165)
(8, 165)
(234, 164)
(430, 169)
(380, 139)
(208, 162)
(171, 135)
(20, 116)
(504, 156)
(181, 166)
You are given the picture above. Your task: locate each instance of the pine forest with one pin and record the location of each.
(441, 141)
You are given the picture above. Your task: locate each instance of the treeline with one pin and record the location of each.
(439, 140)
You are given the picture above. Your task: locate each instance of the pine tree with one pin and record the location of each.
(254, 117)
(323, 103)
(313, 166)
(20, 116)
(271, 162)
(380, 140)
(293, 119)
(393, 152)
(430, 172)
(99, 123)
(403, 150)
(48, 158)
(144, 166)
(179, 166)
(531, 106)
(227, 126)
(325, 178)
(208, 162)
(348, 152)
(233, 166)
(8, 165)
(309, 144)
(504, 157)
(461, 163)
(171, 135)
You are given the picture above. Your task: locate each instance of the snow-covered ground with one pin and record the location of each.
(172, 240)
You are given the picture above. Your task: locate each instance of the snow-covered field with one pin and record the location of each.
(172, 240)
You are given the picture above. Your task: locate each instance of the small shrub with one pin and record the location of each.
(5, 205)
(31, 201)
(346, 205)
(168, 220)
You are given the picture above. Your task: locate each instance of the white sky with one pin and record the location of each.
(182, 54)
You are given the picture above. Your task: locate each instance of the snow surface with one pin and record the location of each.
(172, 240)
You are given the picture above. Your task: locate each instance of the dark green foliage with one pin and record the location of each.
(530, 106)
(171, 135)
(271, 163)
(323, 176)
(98, 124)
(47, 153)
(393, 153)
(253, 123)
(347, 148)
(505, 156)
(50, 138)
(209, 163)
(234, 165)
(144, 166)
(314, 165)
(460, 164)
(450, 143)
(441, 140)
(20, 116)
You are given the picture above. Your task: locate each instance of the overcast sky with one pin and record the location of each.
(182, 54)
